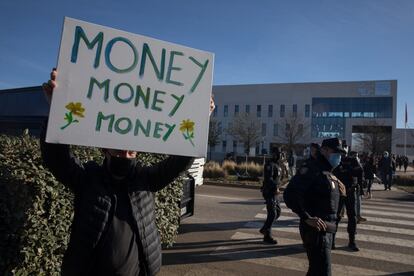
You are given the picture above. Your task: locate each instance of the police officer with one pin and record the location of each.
(349, 172)
(269, 191)
(313, 193)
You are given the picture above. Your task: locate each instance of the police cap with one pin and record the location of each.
(333, 143)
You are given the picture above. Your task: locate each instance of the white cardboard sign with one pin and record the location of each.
(126, 91)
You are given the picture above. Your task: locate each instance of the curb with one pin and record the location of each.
(245, 186)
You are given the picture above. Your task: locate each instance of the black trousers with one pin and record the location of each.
(350, 204)
(318, 248)
(271, 214)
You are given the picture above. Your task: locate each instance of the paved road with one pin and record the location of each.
(222, 238)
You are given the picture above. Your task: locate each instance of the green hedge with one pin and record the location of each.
(36, 210)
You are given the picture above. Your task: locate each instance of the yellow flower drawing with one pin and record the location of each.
(187, 128)
(75, 109)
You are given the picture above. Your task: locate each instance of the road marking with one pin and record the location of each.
(365, 226)
(390, 201)
(381, 203)
(340, 235)
(364, 253)
(365, 210)
(285, 262)
(231, 198)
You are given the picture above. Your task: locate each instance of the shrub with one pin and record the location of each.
(36, 210)
(253, 169)
(229, 166)
(213, 170)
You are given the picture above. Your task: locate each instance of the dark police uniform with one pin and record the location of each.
(270, 185)
(314, 192)
(347, 172)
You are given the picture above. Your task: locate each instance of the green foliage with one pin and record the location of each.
(36, 210)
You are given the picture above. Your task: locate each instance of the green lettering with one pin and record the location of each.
(103, 117)
(158, 72)
(116, 93)
(140, 126)
(100, 85)
(80, 34)
(126, 129)
(171, 68)
(145, 97)
(108, 51)
(157, 129)
(169, 131)
(200, 75)
(177, 105)
(156, 100)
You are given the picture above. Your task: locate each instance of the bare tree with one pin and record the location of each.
(213, 135)
(296, 128)
(246, 129)
(373, 137)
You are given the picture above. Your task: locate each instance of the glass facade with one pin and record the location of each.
(247, 108)
(259, 111)
(329, 114)
(307, 110)
(363, 107)
(270, 111)
(295, 110)
(236, 110)
(282, 110)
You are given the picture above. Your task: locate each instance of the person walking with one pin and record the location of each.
(386, 166)
(270, 191)
(369, 171)
(313, 194)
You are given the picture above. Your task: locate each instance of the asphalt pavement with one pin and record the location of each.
(222, 237)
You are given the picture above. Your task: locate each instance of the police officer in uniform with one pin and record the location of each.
(313, 193)
(349, 172)
(269, 191)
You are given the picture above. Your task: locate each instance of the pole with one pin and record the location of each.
(405, 130)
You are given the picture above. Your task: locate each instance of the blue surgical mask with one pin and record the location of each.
(334, 159)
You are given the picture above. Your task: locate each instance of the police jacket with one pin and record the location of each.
(94, 204)
(270, 178)
(349, 172)
(313, 191)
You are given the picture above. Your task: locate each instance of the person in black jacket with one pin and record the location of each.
(270, 190)
(369, 171)
(349, 172)
(313, 193)
(113, 229)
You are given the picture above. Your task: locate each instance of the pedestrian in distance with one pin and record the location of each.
(270, 191)
(313, 194)
(369, 172)
(113, 229)
(386, 167)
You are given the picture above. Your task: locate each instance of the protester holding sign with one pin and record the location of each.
(113, 230)
(141, 98)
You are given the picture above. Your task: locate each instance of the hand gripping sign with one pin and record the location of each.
(126, 91)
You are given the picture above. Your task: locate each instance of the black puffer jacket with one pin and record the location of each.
(95, 204)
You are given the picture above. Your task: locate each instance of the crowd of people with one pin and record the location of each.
(330, 182)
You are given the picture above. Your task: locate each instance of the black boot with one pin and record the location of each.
(269, 240)
(333, 247)
(352, 245)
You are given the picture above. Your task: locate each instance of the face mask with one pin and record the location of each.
(119, 166)
(334, 159)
